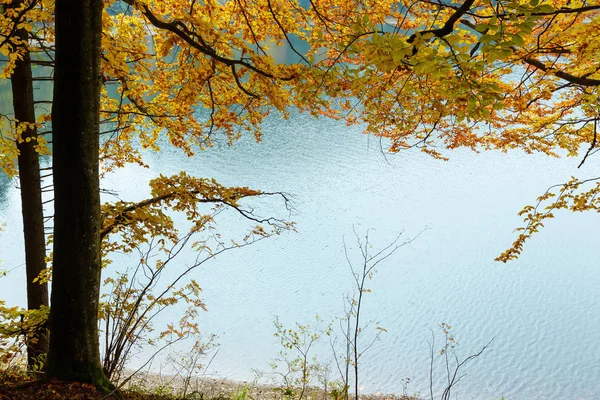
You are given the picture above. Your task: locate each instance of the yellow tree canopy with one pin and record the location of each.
(521, 74)
(430, 74)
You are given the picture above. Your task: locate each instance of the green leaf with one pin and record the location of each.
(544, 8)
(525, 28)
(485, 39)
(481, 27)
(517, 40)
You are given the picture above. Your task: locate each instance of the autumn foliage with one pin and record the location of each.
(501, 75)
(480, 74)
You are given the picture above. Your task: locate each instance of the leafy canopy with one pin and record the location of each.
(430, 74)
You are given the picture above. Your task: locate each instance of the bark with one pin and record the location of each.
(74, 350)
(31, 195)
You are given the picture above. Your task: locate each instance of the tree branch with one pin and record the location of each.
(184, 33)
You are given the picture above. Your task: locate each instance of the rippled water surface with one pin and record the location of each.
(542, 310)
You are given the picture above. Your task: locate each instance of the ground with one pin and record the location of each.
(204, 389)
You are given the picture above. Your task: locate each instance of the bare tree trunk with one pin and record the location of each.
(31, 193)
(74, 350)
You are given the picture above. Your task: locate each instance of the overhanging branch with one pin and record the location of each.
(196, 41)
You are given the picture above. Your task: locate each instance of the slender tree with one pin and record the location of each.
(74, 350)
(29, 180)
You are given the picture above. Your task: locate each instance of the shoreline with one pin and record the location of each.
(220, 388)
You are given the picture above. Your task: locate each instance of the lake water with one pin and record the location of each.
(542, 310)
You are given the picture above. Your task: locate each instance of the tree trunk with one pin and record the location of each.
(31, 194)
(74, 351)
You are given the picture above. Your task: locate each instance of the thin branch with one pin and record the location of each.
(592, 145)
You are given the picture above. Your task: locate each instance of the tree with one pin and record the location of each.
(78, 224)
(74, 352)
(29, 176)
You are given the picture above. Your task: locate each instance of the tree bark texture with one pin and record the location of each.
(31, 193)
(74, 350)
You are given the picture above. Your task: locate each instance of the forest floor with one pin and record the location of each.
(154, 389)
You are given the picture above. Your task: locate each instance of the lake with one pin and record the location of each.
(541, 310)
